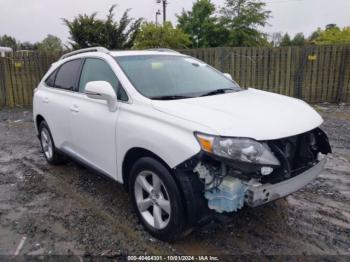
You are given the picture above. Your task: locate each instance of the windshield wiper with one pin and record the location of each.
(174, 97)
(169, 97)
(218, 91)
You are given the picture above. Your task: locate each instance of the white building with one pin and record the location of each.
(4, 50)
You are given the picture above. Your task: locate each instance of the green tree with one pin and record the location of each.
(333, 36)
(87, 30)
(243, 19)
(276, 39)
(166, 36)
(28, 46)
(286, 40)
(50, 44)
(9, 41)
(331, 26)
(299, 40)
(202, 25)
(314, 35)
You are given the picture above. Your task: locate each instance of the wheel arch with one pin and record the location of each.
(189, 186)
(38, 119)
(131, 157)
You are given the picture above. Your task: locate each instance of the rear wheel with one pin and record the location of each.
(48, 145)
(156, 199)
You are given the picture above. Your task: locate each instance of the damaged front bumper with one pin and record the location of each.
(259, 194)
(224, 185)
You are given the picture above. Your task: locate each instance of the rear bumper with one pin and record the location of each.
(257, 195)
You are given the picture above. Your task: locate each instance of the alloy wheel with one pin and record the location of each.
(46, 143)
(152, 199)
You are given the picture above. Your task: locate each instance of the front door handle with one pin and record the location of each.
(74, 109)
(45, 100)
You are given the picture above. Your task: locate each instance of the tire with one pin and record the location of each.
(156, 199)
(51, 154)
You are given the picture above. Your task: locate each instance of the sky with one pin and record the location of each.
(32, 20)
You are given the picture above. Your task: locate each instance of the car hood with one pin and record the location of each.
(249, 113)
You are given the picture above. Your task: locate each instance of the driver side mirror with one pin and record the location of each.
(227, 75)
(102, 90)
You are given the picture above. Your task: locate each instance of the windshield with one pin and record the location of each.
(174, 77)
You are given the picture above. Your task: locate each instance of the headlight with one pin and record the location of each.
(240, 149)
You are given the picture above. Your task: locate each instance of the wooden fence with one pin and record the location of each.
(20, 73)
(313, 73)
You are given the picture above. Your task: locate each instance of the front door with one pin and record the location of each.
(93, 126)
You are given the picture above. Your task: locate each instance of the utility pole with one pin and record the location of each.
(164, 2)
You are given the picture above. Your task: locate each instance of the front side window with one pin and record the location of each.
(162, 76)
(68, 74)
(98, 70)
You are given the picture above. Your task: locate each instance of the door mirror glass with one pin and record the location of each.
(228, 76)
(102, 90)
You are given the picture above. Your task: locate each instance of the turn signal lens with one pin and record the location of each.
(206, 142)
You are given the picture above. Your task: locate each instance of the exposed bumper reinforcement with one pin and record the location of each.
(262, 194)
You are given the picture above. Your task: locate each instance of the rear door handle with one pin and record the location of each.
(74, 108)
(45, 100)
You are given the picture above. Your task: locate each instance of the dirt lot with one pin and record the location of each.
(70, 210)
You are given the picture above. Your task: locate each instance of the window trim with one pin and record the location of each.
(128, 101)
(80, 73)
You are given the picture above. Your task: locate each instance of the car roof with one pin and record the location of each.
(99, 49)
(72, 55)
(144, 52)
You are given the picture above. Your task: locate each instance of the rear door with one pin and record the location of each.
(56, 98)
(93, 126)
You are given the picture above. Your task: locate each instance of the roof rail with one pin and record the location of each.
(163, 50)
(85, 50)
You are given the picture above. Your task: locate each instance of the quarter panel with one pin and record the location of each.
(55, 112)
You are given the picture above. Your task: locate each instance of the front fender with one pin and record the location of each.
(168, 137)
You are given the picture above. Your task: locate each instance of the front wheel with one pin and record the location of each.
(156, 199)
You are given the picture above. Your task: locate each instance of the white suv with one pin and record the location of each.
(185, 140)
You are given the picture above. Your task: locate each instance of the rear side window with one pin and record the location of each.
(98, 70)
(67, 75)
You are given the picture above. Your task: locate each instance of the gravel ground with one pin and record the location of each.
(69, 210)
